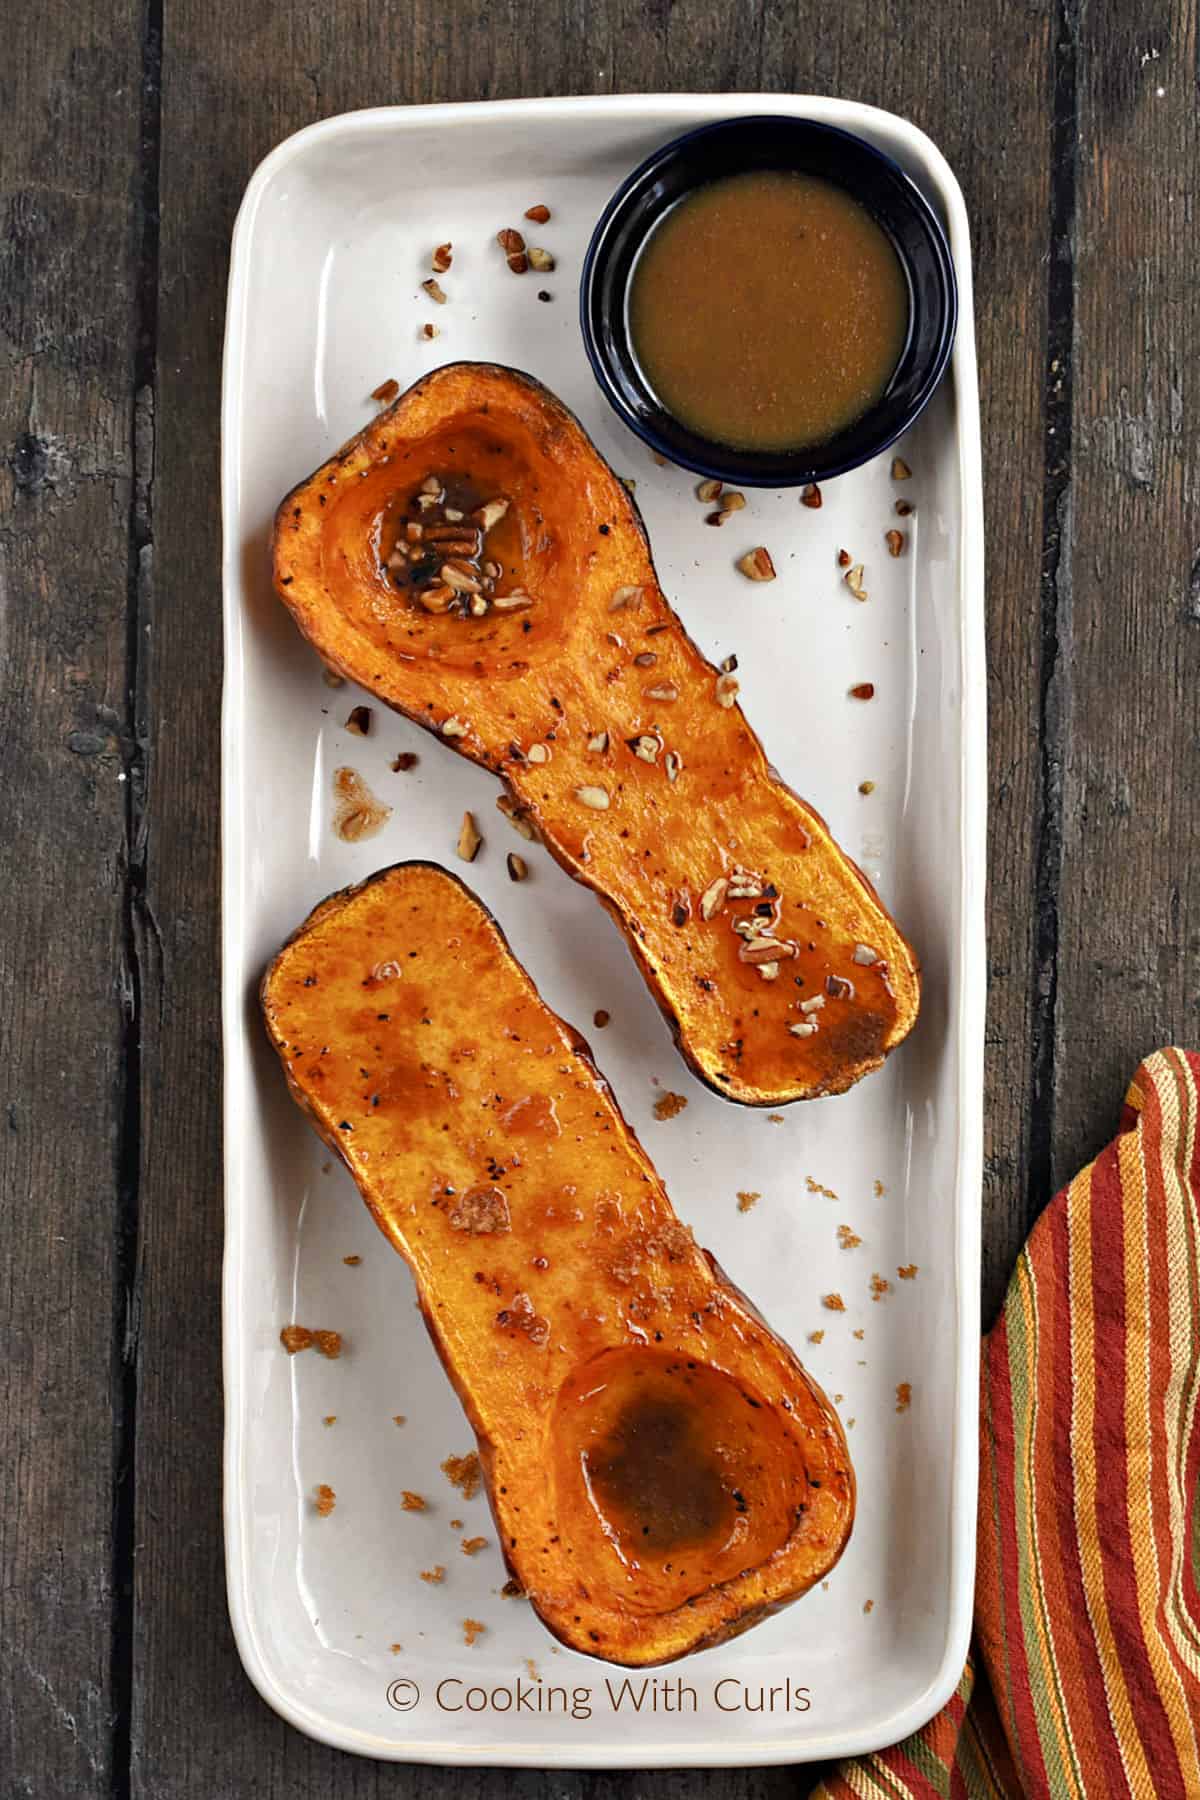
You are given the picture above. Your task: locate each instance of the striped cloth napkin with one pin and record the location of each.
(1085, 1677)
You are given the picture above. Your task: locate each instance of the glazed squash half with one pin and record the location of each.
(662, 1471)
(471, 560)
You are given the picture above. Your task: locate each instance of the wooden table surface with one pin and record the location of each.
(133, 126)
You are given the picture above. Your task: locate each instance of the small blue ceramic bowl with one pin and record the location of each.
(734, 147)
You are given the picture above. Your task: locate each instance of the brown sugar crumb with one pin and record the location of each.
(512, 1589)
(434, 1575)
(395, 1649)
(860, 1333)
(296, 1337)
(834, 1302)
(329, 1419)
(879, 1287)
(386, 392)
(816, 1337)
(847, 1239)
(472, 1628)
(903, 1395)
(774, 1118)
(399, 1419)
(535, 1673)
(600, 1018)
(456, 1524)
(326, 1500)
(412, 1502)
(464, 1473)
(472, 1546)
(329, 1343)
(880, 1190)
(352, 1262)
(669, 1106)
(868, 1606)
(908, 1272)
(747, 1200)
(407, 759)
(814, 1187)
(866, 787)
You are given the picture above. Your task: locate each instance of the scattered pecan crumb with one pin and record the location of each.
(903, 1396)
(868, 1605)
(707, 491)
(435, 291)
(669, 1105)
(543, 295)
(895, 541)
(359, 721)
(863, 690)
(815, 1187)
(534, 1671)
(386, 392)
(395, 1649)
(473, 1545)
(469, 838)
(774, 1118)
(472, 1628)
(834, 1302)
(399, 1419)
(903, 509)
(329, 1419)
(512, 1589)
(456, 1524)
(516, 865)
(847, 1239)
(434, 1575)
(329, 1343)
(849, 1424)
(429, 331)
(860, 1333)
(908, 1272)
(352, 1262)
(810, 494)
(746, 1200)
(853, 579)
(326, 1500)
(756, 565)
(844, 559)
(296, 1337)
(838, 1398)
(600, 1018)
(880, 1190)
(816, 1337)
(441, 259)
(733, 500)
(464, 1473)
(407, 759)
(513, 246)
(541, 260)
(866, 787)
(900, 469)
(411, 1502)
(879, 1287)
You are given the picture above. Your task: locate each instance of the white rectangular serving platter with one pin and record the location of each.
(332, 241)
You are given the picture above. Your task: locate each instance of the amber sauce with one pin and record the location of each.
(768, 310)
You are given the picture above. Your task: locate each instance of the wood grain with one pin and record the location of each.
(233, 84)
(1128, 972)
(66, 407)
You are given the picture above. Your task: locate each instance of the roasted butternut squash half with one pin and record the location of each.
(472, 560)
(662, 1471)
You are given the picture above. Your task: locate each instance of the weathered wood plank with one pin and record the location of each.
(981, 88)
(1129, 672)
(67, 259)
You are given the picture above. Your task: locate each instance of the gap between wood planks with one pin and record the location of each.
(139, 930)
(1055, 597)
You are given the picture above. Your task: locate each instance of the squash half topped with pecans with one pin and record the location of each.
(472, 560)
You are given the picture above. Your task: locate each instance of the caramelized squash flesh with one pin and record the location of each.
(572, 679)
(661, 1469)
